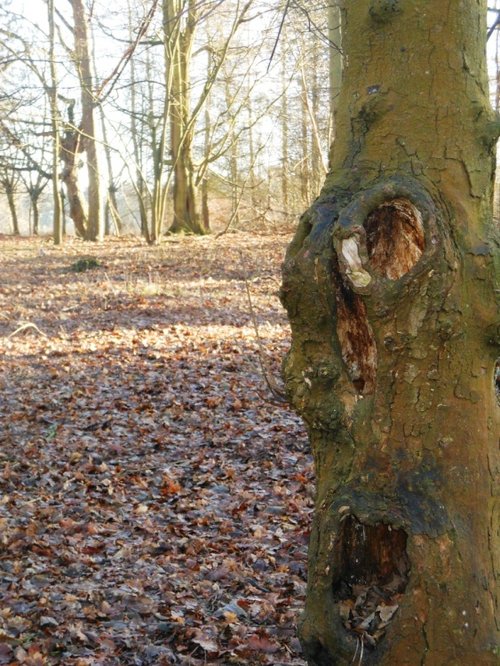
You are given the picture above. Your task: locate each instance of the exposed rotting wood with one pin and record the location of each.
(359, 351)
(372, 571)
(394, 238)
(496, 380)
(385, 231)
(371, 554)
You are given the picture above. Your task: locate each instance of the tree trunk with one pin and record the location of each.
(34, 194)
(88, 129)
(388, 284)
(304, 145)
(233, 155)
(179, 43)
(252, 156)
(205, 210)
(57, 225)
(137, 141)
(111, 211)
(285, 120)
(317, 175)
(70, 148)
(335, 65)
(11, 200)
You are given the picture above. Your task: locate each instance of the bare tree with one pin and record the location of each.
(87, 129)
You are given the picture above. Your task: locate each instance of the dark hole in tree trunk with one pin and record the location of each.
(496, 380)
(371, 575)
(394, 237)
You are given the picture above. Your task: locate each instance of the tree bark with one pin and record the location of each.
(82, 60)
(70, 148)
(57, 225)
(234, 175)
(304, 146)
(179, 40)
(34, 195)
(335, 66)
(204, 187)
(285, 120)
(388, 285)
(11, 200)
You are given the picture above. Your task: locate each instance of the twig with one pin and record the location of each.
(356, 651)
(276, 391)
(111, 285)
(24, 326)
(360, 645)
(285, 12)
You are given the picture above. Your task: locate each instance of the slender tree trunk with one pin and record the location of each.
(284, 132)
(34, 194)
(233, 157)
(88, 129)
(55, 125)
(70, 148)
(11, 200)
(112, 213)
(335, 66)
(140, 186)
(304, 145)
(252, 180)
(63, 211)
(317, 173)
(159, 132)
(179, 40)
(389, 289)
(205, 211)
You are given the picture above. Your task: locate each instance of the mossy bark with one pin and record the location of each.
(388, 285)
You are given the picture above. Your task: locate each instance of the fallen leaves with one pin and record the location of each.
(154, 507)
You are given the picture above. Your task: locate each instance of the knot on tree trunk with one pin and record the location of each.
(384, 231)
(380, 235)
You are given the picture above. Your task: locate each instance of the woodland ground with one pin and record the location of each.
(154, 501)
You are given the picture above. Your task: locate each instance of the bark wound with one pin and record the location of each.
(496, 380)
(394, 237)
(355, 334)
(371, 574)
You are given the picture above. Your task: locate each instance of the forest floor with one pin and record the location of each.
(154, 500)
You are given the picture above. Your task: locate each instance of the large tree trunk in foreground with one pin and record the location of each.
(388, 286)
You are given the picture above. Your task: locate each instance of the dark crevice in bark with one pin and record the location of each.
(496, 379)
(359, 351)
(395, 238)
(372, 569)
